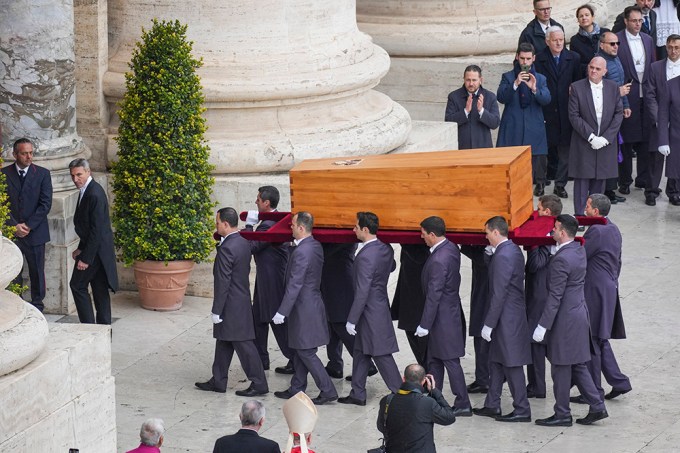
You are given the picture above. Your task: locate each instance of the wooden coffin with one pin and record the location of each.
(464, 187)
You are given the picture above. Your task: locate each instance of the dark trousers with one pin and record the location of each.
(563, 376)
(583, 188)
(515, 377)
(672, 187)
(539, 167)
(553, 163)
(261, 340)
(35, 258)
(250, 362)
(436, 368)
(626, 166)
(306, 361)
(604, 362)
(338, 338)
(94, 276)
(418, 346)
(386, 366)
(562, 171)
(654, 174)
(536, 370)
(481, 360)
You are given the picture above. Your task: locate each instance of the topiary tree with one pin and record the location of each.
(162, 183)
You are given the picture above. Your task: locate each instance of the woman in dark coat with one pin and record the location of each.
(587, 41)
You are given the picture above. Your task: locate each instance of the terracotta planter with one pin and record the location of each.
(162, 287)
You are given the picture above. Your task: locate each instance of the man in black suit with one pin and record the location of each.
(534, 33)
(560, 67)
(29, 189)
(474, 109)
(648, 21)
(247, 439)
(303, 306)
(232, 313)
(270, 268)
(95, 256)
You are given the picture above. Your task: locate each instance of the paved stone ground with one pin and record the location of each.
(157, 357)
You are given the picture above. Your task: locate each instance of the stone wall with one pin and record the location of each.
(63, 399)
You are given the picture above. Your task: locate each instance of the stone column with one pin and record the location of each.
(284, 80)
(431, 42)
(38, 101)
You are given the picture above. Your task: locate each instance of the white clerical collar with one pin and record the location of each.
(493, 249)
(559, 246)
(631, 37)
(432, 249)
(224, 237)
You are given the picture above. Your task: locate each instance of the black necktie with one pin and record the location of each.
(557, 60)
(647, 24)
(22, 174)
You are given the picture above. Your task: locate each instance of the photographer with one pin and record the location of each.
(407, 421)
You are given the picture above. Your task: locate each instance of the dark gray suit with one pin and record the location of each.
(93, 227)
(589, 167)
(473, 131)
(565, 316)
(443, 317)
(479, 304)
(270, 270)
(337, 290)
(30, 200)
(536, 280)
(370, 314)
(657, 91)
(408, 302)
(231, 302)
(509, 350)
(603, 251)
(303, 307)
(669, 114)
(636, 128)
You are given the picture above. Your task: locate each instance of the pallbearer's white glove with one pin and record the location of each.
(486, 333)
(215, 318)
(539, 333)
(278, 318)
(252, 218)
(420, 332)
(351, 328)
(665, 150)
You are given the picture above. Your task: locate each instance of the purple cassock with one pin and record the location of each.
(443, 317)
(370, 313)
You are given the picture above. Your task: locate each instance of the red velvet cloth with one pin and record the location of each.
(533, 232)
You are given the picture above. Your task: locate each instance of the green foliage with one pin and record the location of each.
(6, 229)
(17, 288)
(162, 183)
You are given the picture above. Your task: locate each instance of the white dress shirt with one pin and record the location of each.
(362, 245)
(637, 51)
(596, 89)
(672, 69)
(84, 188)
(559, 246)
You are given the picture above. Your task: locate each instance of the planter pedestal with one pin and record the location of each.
(162, 286)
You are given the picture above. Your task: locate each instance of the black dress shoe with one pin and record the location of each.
(250, 391)
(532, 394)
(512, 418)
(539, 190)
(288, 369)
(486, 412)
(613, 198)
(477, 388)
(372, 371)
(650, 200)
(265, 366)
(351, 400)
(284, 395)
(209, 386)
(554, 421)
(548, 182)
(625, 190)
(462, 411)
(578, 399)
(614, 393)
(592, 417)
(319, 400)
(674, 200)
(333, 373)
(560, 192)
